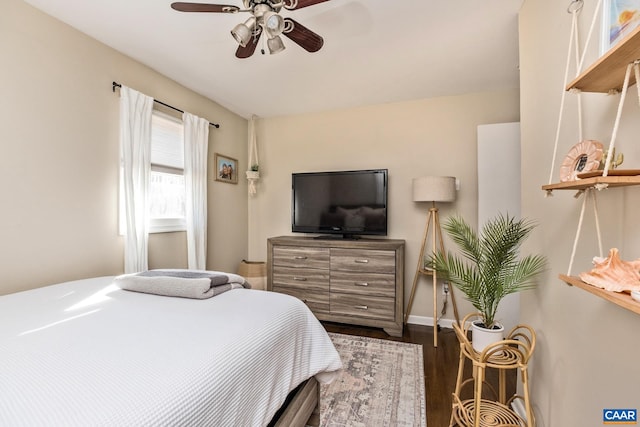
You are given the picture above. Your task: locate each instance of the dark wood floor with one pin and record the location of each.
(440, 364)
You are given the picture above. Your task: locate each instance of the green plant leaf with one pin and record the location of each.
(488, 267)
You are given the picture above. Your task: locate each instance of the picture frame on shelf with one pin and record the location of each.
(226, 168)
(619, 18)
(583, 157)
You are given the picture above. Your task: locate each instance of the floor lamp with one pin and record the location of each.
(432, 189)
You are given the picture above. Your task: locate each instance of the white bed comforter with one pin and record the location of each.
(86, 353)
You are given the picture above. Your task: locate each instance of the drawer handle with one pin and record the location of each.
(365, 284)
(300, 279)
(361, 307)
(300, 257)
(362, 261)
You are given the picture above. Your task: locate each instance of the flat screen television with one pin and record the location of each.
(347, 203)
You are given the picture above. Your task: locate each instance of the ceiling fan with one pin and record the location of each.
(265, 18)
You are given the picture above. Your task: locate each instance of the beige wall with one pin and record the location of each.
(587, 354)
(411, 139)
(59, 162)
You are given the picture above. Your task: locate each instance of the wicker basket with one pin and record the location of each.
(255, 272)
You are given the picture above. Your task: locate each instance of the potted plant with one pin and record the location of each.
(253, 175)
(489, 267)
(254, 172)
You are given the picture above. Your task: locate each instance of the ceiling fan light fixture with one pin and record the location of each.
(265, 18)
(275, 45)
(242, 32)
(273, 23)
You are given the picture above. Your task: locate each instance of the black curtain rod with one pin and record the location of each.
(116, 84)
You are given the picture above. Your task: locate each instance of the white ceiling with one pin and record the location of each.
(375, 51)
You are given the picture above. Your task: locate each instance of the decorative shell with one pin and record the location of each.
(613, 274)
(585, 156)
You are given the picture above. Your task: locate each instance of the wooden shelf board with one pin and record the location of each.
(607, 73)
(622, 299)
(581, 184)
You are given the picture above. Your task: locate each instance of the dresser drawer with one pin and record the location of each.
(303, 278)
(363, 260)
(362, 306)
(358, 282)
(382, 285)
(289, 256)
(317, 301)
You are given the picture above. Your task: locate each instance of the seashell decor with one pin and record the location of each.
(613, 274)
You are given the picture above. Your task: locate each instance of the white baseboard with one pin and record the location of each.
(428, 321)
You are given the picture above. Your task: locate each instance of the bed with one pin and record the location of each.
(87, 353)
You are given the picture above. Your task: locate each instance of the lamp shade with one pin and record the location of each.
(434, 189)
(273, 23)
(243, 32)
(275, 45)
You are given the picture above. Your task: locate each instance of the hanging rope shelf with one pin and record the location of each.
(588, 167)
(613, 73)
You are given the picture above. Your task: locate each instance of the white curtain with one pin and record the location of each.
(135, 146)
(196, 145)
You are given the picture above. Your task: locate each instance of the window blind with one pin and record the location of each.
(167, 144)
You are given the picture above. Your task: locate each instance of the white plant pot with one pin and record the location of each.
(482, 337)
(253, 175)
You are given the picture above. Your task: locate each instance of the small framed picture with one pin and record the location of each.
(619, 19)
(226, 168)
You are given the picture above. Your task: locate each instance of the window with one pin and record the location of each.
(166, 182)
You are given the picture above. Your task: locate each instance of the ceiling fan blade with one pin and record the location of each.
(247, 51)
(204, 7)
(302, 3)
(303, 36)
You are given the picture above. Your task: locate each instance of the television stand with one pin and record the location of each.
(358, 282)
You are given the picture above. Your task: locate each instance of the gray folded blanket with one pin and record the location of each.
(181, 283)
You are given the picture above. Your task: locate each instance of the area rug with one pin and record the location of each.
(382, 384)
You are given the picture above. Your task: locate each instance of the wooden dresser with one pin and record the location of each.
(359, 282)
